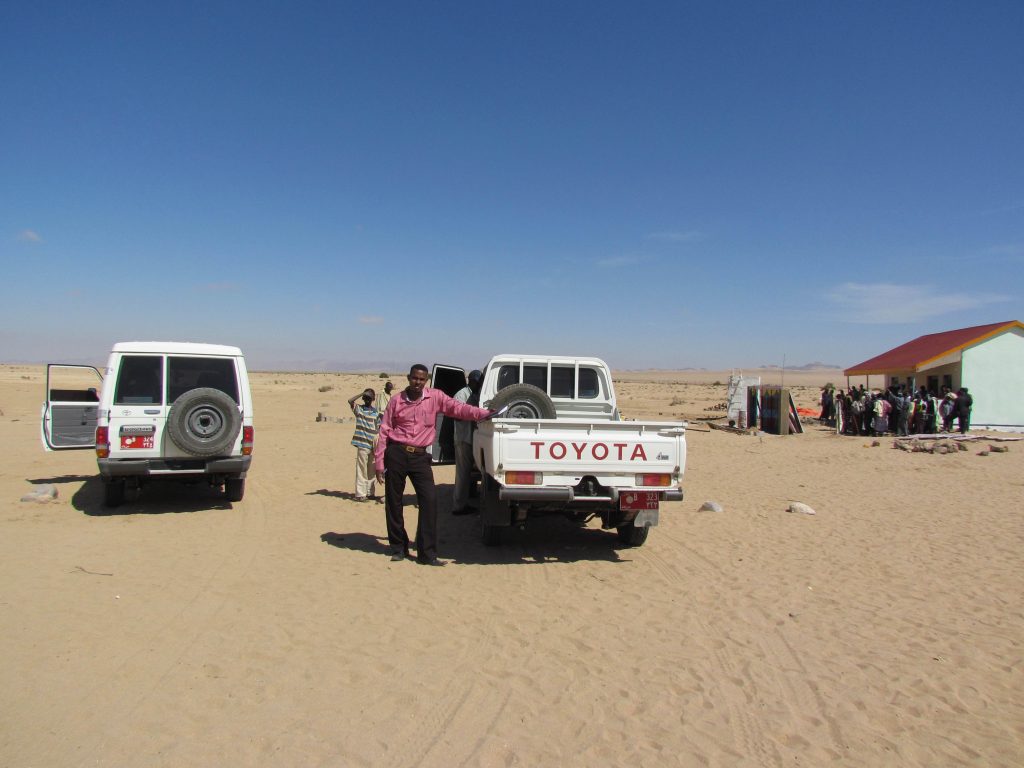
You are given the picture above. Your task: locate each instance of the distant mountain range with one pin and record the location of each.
(808, 367)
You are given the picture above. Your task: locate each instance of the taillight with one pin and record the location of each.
(523, 478)
(247, 439)
(102, 442)
(651, 478)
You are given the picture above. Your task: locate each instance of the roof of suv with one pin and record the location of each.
(541, 359)
(177, 348)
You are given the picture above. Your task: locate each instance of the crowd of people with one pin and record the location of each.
(898, 411)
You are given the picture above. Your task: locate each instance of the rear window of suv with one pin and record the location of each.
(185, 373)
(140, 380)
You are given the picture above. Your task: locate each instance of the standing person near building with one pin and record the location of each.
(857, 407)
(881, 409)
(838, 404)
(901, 406)
(406, 432)
(947, 410)
(364, 439)
(827, 404)
(464, 446)
(964, 403)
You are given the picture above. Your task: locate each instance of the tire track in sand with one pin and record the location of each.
(165, 644)
(750, 738)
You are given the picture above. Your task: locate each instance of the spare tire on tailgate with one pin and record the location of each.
(524, 401)
(204, 422)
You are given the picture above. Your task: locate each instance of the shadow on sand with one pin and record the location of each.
(551, 539)
(156, 498)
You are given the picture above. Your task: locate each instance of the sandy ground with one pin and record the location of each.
(886, 630)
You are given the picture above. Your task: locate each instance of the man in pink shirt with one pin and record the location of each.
(406, 433)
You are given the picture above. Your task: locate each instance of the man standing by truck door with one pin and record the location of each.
(405, 434)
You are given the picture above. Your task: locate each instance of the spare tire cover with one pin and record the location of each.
(524, 401)
(204, 422)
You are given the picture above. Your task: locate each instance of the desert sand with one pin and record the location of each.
(885, 630)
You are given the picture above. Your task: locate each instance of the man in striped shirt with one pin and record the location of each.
(406, 432)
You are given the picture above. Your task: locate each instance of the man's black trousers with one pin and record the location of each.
(400, 464)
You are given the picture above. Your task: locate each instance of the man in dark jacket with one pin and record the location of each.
(963, 409)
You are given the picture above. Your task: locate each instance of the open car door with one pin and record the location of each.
(449, 379)
(71, 409)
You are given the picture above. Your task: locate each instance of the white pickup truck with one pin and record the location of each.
(562, 447)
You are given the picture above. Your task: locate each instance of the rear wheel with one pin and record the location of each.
(631, 535)
(234, 488)
(113, 493)
(490, 535)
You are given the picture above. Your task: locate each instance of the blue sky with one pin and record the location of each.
(357, 184)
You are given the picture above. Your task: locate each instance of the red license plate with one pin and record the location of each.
(136, 441)
(638, 500)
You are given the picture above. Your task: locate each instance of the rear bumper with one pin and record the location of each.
(565, 495)
(232, 465)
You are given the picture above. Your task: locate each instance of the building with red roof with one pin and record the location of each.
(988, 360)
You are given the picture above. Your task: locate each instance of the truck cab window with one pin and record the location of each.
(537, 375)
(589, 386)
(563, 381)
(507, 376)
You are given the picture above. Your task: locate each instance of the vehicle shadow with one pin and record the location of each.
(156, 498)
(60, 479)
(544, 540)
(407, 500)
(357, 540)
(530, 547)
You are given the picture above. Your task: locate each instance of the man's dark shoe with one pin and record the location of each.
(434, 561)
(464, 511)
(397, 557)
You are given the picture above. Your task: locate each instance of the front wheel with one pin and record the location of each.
(631, 535)
(234, 488)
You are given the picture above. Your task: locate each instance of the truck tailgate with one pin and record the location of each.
(587, 447)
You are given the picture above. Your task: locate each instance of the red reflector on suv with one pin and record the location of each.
(247, 440)
(522, 478)
(102, 442)
(651, 478)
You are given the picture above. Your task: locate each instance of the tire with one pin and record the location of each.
(204, 422)
(631, 535)
(234, 488)
(113, 493)
(490, 535)
(524, 401)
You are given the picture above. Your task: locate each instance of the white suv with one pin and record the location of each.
(167, 410)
